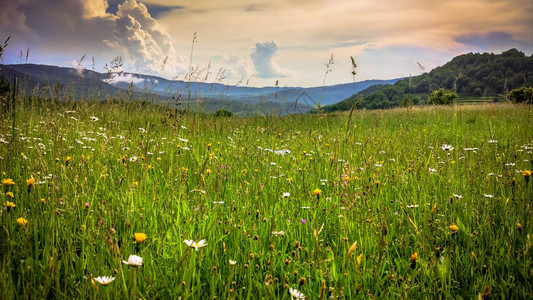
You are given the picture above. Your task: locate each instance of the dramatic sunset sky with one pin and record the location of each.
(263, 41)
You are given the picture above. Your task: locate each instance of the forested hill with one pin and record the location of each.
(470, 75)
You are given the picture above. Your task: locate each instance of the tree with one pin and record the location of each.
(521, 95)
(223, 113)
(442, 97)
(406, 101)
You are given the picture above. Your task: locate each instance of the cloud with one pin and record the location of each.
(80, 27)
(145, 44)
(493, 41)
(236, 67)
(263, 57)
(125, 78)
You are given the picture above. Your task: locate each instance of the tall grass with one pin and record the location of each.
(388, 210)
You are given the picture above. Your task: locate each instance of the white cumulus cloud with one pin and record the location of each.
(263, 57)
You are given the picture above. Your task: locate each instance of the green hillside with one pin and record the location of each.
(472, 76)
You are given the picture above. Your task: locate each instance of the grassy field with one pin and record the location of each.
(418, 203)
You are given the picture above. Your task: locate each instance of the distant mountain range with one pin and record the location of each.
(46, 80)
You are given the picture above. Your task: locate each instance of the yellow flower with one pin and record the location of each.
(208, 171)
(30, 182)
(8, 182)
(454, 228)
(22, 222)
(317, 192)
(139, 237)
(412, 260)
(68, 159)
(158, 159)
(10, 194)
(413, 257)
(10, 205)
(43, 200)
(527, 174)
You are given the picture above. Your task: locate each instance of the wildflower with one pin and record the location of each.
(104, 280)
(303, 221)
(133, 158)
(457, 196)
(10, 205)
(10, 194)
(208, 171)
(139, 237)
(30, 182)
(22, 222)
(86, 205)
(232, 262)
(413, 260)
(134, 260)
(447, 147)
(195, 245)
(43, 200)
(8, 182)
(488, 195)
(296, 294)
(67, 160)
(527, 174)
(317, 192)
(276, 233)
(454, 228)
(493, 141)
(286, 195)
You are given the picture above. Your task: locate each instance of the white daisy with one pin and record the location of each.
(276, 233)
(195, 245)
(296, 294)
(285, 195)
(232, 262)
(134, 260)
(446, 147)
(104, 280)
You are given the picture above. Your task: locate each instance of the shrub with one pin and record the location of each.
(442, 97)
(223, 113)
(521, 95)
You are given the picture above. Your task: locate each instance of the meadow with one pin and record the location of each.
(429, 202)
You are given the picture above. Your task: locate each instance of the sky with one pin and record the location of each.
(261, 42)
